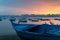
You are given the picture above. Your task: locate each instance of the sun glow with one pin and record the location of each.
(42, 10)
(48, 9)
(38, 8)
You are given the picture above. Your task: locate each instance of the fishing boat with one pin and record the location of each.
(12, 19)
(34, 20)
(57, 19)
(0, 19)
(44, 19)
(37, 32)
(23, 20)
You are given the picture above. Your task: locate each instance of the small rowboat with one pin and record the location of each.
(34, 20)
(12, 19)
(37, 32)
(0, 19)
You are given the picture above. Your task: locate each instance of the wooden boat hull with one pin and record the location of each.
(26, 34)
(30, 36)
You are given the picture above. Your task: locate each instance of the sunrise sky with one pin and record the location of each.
(12, 7)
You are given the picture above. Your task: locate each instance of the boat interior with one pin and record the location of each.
(42, 29)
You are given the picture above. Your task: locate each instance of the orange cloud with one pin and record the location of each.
(37, 7)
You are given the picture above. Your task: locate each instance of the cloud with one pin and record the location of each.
(30, 6)
(4, 8)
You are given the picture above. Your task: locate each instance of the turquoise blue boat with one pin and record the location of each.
(0, 19)
(37, 32)
(12, 19)
(34, 20)
(22, 20)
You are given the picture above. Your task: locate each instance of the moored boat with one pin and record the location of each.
(34, 20)
(0, 19)
(23, 20)
(45, 19)
(12, 19)
(36, 32)
(57, 19)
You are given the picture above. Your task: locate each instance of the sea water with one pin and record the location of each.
(6, 31)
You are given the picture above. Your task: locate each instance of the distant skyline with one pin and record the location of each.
(17, 7)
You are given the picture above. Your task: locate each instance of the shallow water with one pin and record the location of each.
(55, 22)
(6, 31)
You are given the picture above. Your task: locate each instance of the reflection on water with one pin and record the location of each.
(54, 22)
